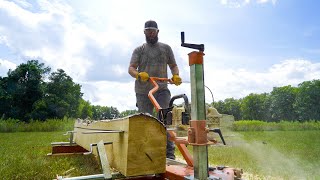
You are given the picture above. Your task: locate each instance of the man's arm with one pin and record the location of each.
(132, 70)
(174, 69)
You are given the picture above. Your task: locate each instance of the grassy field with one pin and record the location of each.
(23, 156)
(261, 155)
(14, 125)
(271, 154)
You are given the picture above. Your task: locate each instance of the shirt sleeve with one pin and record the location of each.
(135, 58)
(171, 59)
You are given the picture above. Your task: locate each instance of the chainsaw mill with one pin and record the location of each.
(134, 147)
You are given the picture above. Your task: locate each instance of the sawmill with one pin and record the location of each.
(134, 147)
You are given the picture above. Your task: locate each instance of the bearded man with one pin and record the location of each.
(151, 60)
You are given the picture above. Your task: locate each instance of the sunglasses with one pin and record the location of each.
(150, 31)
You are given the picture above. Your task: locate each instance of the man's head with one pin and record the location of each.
(151, 31)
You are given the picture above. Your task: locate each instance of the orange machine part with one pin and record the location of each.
(155, 89)
(181, 144)
(195, 57)
(197, 133)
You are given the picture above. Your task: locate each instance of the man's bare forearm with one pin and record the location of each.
(132, 70)
(174, 69)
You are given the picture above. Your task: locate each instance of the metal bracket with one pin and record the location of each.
(197, 133)
(104, 165)
(95, 144)
(71, 136)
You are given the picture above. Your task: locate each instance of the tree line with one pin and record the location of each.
(286, 103)
(32, 91)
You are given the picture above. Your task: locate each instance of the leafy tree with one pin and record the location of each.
(253, 106)
(40, 110)
(281, 103)
(114, 113)
(85, 109)
(22, 88)
(233, 107)
(5, 97)
(104, 112)
(229, 106)
(97, 112)
(307, 103)
(220, 106)
(127, 113)
(267, 116)
(62, 95)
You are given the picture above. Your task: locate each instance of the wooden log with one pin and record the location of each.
(140, 148)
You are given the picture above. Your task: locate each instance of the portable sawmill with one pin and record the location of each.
(135, 146)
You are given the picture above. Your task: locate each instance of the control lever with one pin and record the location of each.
(218, 131)
(199, 47)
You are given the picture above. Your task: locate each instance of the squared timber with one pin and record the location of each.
(139, 150)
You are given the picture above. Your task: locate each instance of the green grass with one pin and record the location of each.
(261, 155)
(13, 125)
(24, 156)
(270, 154)
(256, 125)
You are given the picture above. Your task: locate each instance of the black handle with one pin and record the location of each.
(184, 96)
(182, 37)
(217, 130)
(199, 47)
(186, 114)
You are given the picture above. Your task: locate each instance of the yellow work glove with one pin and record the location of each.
(176, 79)
(143, 76)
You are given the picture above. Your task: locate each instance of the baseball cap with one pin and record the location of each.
(150, 25)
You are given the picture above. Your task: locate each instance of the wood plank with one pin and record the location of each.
(105, 166)
(139, 150)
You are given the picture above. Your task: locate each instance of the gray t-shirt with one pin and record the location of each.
(152, 59)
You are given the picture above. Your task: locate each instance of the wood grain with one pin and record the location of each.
(139, 150)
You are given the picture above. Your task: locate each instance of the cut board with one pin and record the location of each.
(140, 149)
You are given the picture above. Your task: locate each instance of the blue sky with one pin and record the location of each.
(250, 46)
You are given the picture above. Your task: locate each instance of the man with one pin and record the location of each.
(151, 60)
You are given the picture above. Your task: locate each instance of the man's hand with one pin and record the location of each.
(143, 76)
(176, 79)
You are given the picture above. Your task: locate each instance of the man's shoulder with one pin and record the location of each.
(139, 49)
(161, 44)
(146, 46)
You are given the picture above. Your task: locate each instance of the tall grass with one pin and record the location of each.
(13, 125)
(255, 125)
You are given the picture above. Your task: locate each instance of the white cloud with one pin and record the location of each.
(56, 36)
(108, 93)
(242, 3)
(267, 1)
(93, 43)
(27, 18)
(234, 3)
(5, 65)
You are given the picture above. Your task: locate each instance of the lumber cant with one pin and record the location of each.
(138, 143)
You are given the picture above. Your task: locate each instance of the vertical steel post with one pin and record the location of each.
(198, 111)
